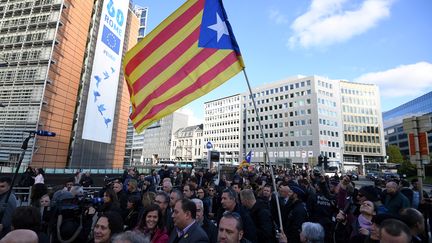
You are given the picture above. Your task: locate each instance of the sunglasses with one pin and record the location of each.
(231, 214)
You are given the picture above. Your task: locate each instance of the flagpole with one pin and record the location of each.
(266, 150)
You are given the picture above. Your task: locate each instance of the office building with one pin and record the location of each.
(155, 144)
(362, 124)
(134, 141)
(141, 13)
(222, 128)
(187, 144)
(392, 119)
(50, 49)
(300, 117)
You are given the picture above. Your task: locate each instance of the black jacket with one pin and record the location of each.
(249, 228)
(296, 216)
(210, 229)
(262, 219)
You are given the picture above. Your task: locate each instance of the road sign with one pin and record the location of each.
(209, 145)
(303, 154)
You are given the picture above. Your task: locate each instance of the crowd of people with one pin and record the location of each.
(179, 206)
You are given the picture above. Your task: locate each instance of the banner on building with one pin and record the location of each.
(102, 95)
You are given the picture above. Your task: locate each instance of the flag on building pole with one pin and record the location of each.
(189, 54)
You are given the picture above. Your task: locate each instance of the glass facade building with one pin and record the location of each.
(392, 119)
(46, 52)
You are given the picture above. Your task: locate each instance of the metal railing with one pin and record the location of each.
(24, 194)
(23, 168)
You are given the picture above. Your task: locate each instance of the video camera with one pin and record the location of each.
(70, 221)
(110, 180)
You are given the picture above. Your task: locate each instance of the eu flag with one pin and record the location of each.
(111, 40)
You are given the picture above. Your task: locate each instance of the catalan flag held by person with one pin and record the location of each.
(189, 54)
(246, 161)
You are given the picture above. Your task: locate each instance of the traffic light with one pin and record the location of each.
(214, 156)
(320, 160)
(325, 162)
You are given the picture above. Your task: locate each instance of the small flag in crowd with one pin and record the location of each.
(189, 54)
(248, 157)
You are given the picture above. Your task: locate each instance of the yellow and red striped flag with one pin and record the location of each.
(189, 54)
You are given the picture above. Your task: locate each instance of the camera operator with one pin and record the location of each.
(71, 217)
(6, 208)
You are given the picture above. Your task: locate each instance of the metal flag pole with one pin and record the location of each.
(266, 150)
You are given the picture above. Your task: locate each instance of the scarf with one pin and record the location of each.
(364, 222)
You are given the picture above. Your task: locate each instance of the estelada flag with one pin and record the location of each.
(189, 54)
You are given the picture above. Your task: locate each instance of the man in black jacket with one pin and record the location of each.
(260, 215)
(229, 203)
(187, 229)
(296, 214)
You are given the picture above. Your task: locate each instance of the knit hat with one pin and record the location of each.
(370, 193)
(297, 190)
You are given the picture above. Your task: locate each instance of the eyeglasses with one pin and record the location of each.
(158, 202)
(211, 190)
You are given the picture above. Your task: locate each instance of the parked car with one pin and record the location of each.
(387, 176)
(352, 175)
(371, 176)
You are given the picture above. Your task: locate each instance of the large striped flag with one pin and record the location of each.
(190, 53)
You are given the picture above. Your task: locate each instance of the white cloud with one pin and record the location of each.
(193, 119)
(405, 80)
(334, 21)
(276, 16)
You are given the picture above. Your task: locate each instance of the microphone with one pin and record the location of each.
(43, 133)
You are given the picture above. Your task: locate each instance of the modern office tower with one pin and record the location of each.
(392, 119)
(300, 118)
(222, 125)
(50, 48)
(141, 13)
(187, 144)
(362, 124)
(156, 143)
(134, 140)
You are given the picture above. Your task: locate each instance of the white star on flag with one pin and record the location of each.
(220, 27)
